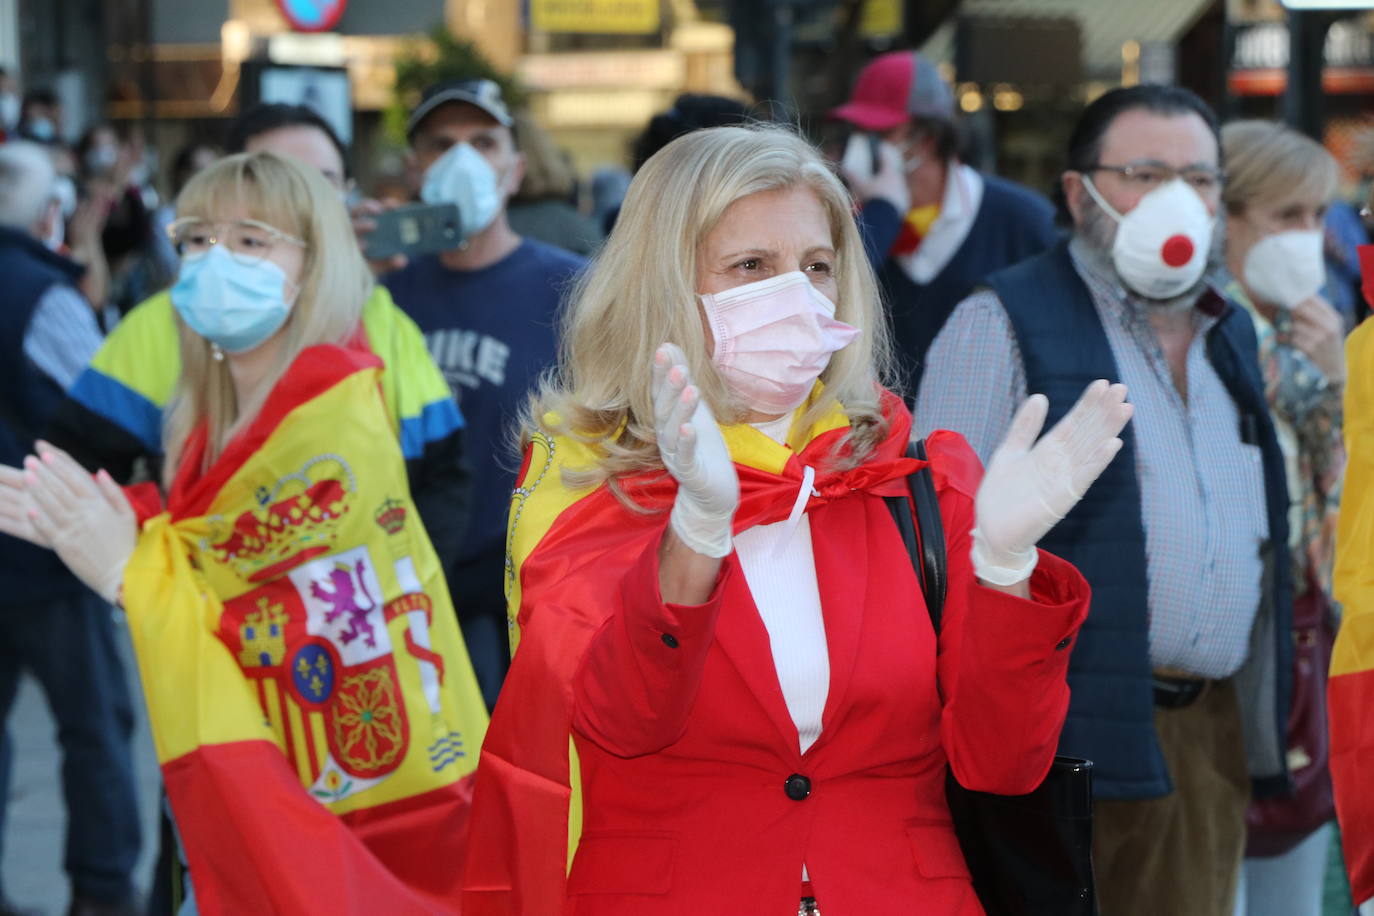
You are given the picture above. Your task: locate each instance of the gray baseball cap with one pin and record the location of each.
(480, 93)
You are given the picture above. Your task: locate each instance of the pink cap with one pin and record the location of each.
(894, 87)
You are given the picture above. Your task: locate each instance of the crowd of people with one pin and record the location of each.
(646, 470)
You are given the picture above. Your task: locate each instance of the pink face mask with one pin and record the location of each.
(774, 339)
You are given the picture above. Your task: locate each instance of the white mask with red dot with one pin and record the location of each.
(1162, 243)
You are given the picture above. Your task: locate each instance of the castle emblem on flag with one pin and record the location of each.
(263, 635)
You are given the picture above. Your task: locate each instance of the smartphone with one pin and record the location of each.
(861, 154)
(414, 230)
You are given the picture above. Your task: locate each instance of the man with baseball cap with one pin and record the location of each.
(934, 226)
(488, 309)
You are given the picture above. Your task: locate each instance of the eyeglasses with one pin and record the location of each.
(1147, 176)
(248, 241)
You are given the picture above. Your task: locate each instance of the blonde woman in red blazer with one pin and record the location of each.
(713, 599)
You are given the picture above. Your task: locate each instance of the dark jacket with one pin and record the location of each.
(1012, 223)
(28, 398)
(1111, 716)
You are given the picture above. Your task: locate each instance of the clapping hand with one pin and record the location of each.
(87, 520)
(1029, 486)
(694, 453)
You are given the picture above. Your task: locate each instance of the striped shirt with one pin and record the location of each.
(1201, 486)
(62, 335)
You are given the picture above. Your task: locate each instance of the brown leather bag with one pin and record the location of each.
(1276, 825)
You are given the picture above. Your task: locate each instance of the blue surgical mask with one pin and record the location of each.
(41, 129)
(234, 305)
(463, 176)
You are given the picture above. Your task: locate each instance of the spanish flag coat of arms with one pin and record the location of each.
(313, 706)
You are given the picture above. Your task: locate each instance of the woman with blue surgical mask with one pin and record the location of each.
(286, 606)
(1279, 184)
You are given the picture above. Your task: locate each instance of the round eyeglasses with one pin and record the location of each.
(248, 241)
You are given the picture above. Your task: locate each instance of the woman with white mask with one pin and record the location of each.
(711, 597)
(1279, 184)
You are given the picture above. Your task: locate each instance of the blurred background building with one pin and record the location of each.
(593, 71)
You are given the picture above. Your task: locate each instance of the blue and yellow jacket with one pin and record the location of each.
(112, 417)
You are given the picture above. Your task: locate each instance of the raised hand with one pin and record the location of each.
(1319, 332)
(887, 183)
(1029, 486)
(694, 452)
(86, 519)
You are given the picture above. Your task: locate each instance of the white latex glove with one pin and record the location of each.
(88, 521)
(694, 452)
(1029, 486)
(887, 183)
(15, 504)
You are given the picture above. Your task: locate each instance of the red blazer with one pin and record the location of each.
(696, 796)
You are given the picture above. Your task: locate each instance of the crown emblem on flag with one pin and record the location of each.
(391, 517)
(299, 521)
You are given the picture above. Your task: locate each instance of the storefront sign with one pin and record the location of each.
(655, 69)
(624, 17)
(1259, 64)
(881, 19)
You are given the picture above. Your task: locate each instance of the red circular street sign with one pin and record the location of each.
(312, 15)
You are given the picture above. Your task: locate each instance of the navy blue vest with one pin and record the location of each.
(1013, 223)
(30, 397)
(1111, 715)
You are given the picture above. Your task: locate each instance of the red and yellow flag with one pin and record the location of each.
(313, 707)
(1350, 693)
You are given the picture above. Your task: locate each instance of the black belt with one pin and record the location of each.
(1178, 692)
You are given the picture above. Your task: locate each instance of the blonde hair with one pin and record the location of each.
(640, 292)
(1269, 163)
(334, 285)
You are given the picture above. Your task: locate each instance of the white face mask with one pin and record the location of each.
(910, 163)
(1162, 245)
(463, 176)
(64, 192)
(1285, 268)
(9, 110)
(773, 339)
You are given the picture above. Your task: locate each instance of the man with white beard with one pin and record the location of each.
(1181, 675)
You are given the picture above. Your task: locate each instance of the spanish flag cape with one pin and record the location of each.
(567, 550)
(313, 707)
(1350, 692)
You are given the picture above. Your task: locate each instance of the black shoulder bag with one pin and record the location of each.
(1029, 855)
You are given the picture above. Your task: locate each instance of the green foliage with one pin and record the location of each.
(441, 57)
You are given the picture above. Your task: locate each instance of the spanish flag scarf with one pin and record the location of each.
(313, 707)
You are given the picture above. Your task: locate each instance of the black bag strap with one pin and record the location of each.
(925, 539)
